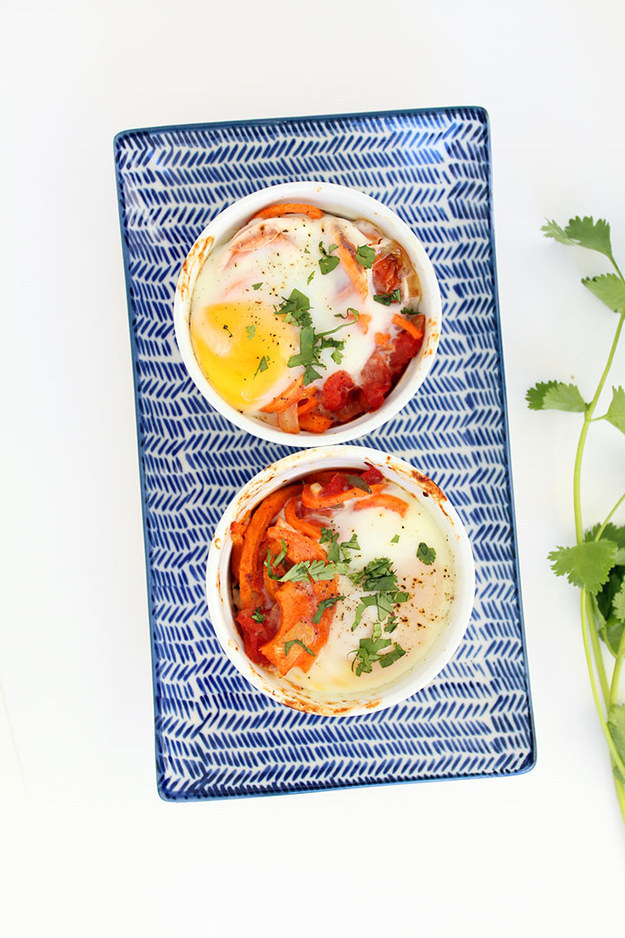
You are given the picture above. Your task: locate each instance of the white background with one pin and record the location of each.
(86, 845)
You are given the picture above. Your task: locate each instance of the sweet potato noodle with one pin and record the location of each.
(347, 560)
(306, 320)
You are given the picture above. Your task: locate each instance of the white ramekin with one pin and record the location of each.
(350, 204)
(282, 473)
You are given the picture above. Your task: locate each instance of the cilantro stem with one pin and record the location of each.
(596, 647)
(618, 762)
(577, 472)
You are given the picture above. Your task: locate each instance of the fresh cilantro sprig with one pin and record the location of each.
(596, 562)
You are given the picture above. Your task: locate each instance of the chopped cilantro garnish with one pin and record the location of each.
(310, 276)
(313, 570)
(368, 653)
(365, 255)
(257, 615)
(263, 365)
(426, 554)
(272, 562)
(327, 263)
(337, 551)
(395, 539)
(297, 641)
(387, 298)
(295, 308)
(350, 311)
(251, 331)
(323, 605)
(257, 286)
(379, 579)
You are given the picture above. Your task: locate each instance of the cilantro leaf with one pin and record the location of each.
(425, 554)
(586, 565)
(272, 562)
(395, 539)
(392, 656)
(583, 232)
(618, 603)
(328, 264)
(251, 331)
(365, 255)
(588, 233)
(263, 365)
(312, 570)
(323, 605)
(616, 410)
(609, 288)
(257, 286)
(610, 533)
(297, 641)
(295, 309)
(257, 615)
(554, 395)
(387, 298)
(310, 276)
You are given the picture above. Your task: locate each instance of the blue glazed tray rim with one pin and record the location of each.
(476, 110)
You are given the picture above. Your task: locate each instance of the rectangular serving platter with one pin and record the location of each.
(216, 736)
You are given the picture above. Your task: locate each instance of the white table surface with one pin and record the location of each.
(87, 847)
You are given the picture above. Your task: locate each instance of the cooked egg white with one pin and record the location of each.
(420, 619)
(245, 279)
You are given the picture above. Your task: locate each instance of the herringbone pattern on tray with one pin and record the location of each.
(217, 736)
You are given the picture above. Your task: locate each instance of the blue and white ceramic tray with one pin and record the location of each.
(216, 736)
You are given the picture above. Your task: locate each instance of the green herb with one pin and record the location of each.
(310, 276)
(295, 308)
(391, 625)
(257, 615)
(263, 365)
(379, 579)
(365, 255)
(338, 553)
(349, 312)
(323, 605)
(368, 653)
(257, 286)
(596, 563)
(272, 562)
(425, 554)
(297, 641)
(251, 331)
(327, 263)
(409, 312)
(311, 344)
(313, 570)
(395, 539)
(387, 298)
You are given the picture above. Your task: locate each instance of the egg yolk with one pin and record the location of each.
(243, 349)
